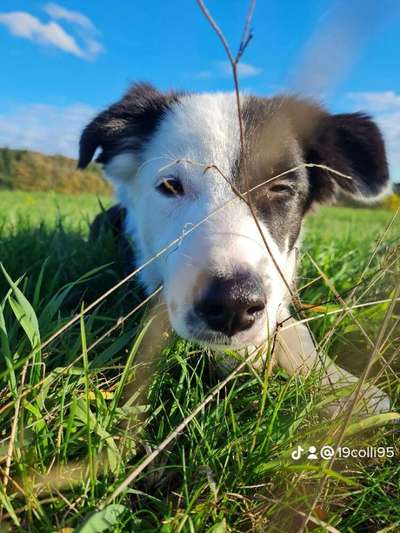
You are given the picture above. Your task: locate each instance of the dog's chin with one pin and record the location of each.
(194, 331)
(220, 342)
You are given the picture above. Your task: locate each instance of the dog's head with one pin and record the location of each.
(177, 159)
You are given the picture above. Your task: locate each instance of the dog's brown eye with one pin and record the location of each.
(281, 188)
(170, 186)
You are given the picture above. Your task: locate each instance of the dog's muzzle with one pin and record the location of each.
(233, 304)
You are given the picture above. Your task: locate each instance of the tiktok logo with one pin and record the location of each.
(296, 454)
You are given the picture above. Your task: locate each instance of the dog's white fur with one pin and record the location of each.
(199, 131)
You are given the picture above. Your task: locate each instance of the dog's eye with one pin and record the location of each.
(281, 188)
(170, 186)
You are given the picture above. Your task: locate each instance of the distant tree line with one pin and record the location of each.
(32, 171)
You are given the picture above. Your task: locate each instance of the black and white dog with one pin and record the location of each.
(176, 159)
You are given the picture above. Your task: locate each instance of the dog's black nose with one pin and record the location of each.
(230, 305)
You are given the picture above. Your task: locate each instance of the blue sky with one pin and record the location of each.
(64, 61)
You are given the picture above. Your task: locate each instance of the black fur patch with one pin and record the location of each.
(353, 145)
(273, 128)
(125, 125)
(349, 143)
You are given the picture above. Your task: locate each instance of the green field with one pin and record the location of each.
(35, 208)
(64, 443)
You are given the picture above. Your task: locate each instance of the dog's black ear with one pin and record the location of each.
(351, 144)
(124, 125)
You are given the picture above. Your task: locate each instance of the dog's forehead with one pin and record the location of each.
(200, 128)
(204, 129)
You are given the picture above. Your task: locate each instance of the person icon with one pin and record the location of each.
(312, 453)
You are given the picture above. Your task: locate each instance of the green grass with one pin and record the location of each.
(67, 408)
(34, 208)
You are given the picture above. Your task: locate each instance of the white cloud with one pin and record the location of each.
(223, 69)
(85, 28)
(245, 70)
(385, 108)
(58, 12)
(29, 27)
(204, 75)
(81, 41)
(45, 128)
(377, 101)
(390, 125)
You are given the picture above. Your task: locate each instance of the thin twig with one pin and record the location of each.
(337, 311)
(234, 61)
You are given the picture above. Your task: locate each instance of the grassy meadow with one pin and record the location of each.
(70, 434)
